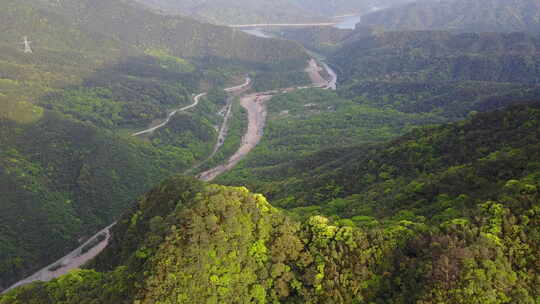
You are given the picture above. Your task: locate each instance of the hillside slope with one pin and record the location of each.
(390, 84)
(433, 56)
(99, 71)
(131, 23)
(237, 12)
(469, 158)
(449, 227)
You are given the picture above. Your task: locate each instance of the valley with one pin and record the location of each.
(261, 152)
(196, 99)
(69, 163)
(254, 103)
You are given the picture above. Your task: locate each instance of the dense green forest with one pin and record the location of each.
(323, 40)
(391, 83)
(448, 214)
(460, 15)
(69, 164)
(439, 56)
(238, 12)
(415, 182)
(467, 153)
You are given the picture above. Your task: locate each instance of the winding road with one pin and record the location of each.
(72, 260)
(255, 106)
(224, 128)
(196, 101)
(77, 258)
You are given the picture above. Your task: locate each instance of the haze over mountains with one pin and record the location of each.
(416, 181)
(460, 15)
(266, 11)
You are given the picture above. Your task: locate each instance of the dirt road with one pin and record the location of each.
(256, 108)
(254, 104)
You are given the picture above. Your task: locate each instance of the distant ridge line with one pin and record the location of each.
(282, 24)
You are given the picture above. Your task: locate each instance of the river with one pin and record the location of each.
(257, 32)
(349, 22)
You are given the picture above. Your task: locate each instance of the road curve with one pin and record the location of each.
(72, 260)
(196, 101)
(76, 258)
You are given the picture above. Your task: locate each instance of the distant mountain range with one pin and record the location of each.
(264, 11)
(460, 15)
(441, 56)
(131, 24)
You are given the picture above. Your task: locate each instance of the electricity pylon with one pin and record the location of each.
(27, 48)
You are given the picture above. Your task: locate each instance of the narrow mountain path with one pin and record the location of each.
(255, 106)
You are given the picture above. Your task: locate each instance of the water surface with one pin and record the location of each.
(257, 32)
(349, 22)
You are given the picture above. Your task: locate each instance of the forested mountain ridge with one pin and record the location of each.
(460, 15)
(467, 157)
(464, 231)
(324, 40)
(375, 207)
(389, 84)
(73, 40)
(132, 24)
(99, 71)
(440, 56)
(237, 12)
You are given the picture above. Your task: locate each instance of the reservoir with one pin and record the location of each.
(349, 23)
(257, 32)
